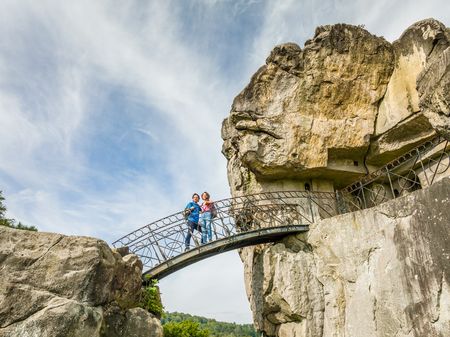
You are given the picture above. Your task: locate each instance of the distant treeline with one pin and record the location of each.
(215, 328)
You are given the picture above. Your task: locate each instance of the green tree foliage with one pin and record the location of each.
(2, 207)
(151, 298)
(215, 328)
(184, 329)
(11, 222)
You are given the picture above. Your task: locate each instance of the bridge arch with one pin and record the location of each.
(239, 240)
(240, 222)
(265, 217)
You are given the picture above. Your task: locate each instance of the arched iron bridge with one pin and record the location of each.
(267, 217)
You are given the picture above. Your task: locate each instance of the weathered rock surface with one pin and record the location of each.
(417, 101)
(319, 118)
(383, 271)
(347, 103)
(55, 285)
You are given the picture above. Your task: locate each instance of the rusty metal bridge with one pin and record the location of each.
(267, 217)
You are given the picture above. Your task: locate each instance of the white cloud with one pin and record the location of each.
(96, 44)
(48, 109)
(149, 134)
(295, 21)
(60, 60)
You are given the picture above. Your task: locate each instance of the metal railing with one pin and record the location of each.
(414, 170)
(164, 239)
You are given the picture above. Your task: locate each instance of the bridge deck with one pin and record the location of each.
(220, 246)
(259, 218)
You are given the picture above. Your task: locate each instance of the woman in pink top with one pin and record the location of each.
(206, 217)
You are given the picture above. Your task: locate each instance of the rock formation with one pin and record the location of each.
(384, 271)
(55, 285)
(319, 118)
(345, 104)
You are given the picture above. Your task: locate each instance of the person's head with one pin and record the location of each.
(205, 196)
(195, 197)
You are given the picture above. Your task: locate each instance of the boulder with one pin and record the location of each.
(56, 285)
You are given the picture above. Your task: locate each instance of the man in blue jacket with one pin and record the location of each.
(192, 220)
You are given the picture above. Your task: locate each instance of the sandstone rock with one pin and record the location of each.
(83, 267)
(282, 294)
(383, 271)
(133, 322)
(123, 251)
(433, 84)
(59, 318)
(55, 285)
(343, 106)
(417, 102)
(412, 51)
(319, 118)
(294, 117)
(138, 320)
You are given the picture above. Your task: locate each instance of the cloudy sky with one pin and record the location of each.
(110, 111)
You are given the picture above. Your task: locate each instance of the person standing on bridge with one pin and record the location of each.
(192, 220)
(206, 217)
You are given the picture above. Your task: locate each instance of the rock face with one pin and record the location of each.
(319, 118)
(384, 271)
(54, 285)
(345, 104)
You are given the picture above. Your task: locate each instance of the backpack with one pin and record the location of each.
(213, 211)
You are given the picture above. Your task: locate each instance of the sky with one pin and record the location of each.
(110, 111)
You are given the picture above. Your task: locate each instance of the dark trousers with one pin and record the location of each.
(191, 227)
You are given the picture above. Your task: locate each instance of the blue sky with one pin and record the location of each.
(110, 111)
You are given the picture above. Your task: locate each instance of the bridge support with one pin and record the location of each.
(239, 240)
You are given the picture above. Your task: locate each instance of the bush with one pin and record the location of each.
(151, 299)
(184, 329)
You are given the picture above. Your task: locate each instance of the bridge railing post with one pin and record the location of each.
(310, 206)
(438, 164)
(159, 247)
(391, 184)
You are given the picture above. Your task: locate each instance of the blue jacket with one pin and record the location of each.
(195, 214)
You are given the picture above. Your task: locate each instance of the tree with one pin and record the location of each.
(184, 329)
(11, 222)
(2, 207)
(215, 328)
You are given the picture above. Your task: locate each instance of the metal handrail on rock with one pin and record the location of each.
(265, 217)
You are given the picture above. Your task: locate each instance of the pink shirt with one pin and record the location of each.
(206, 207)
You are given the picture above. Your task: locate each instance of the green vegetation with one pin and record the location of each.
(216, 329)
(151, 299)
(11, 222)
(185, 325)
(184, 329)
